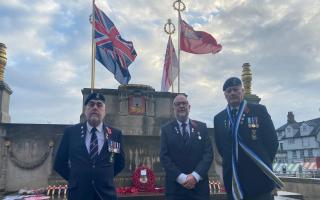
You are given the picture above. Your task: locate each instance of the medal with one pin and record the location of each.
(82, 133)
(249, 122)
(110, 143)
(256, 122)
(111, 159)
(177, 131)
(193, 130)
(254, 134)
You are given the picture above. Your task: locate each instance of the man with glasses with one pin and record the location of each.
(91, 154)
(186, 155)
(246, 139)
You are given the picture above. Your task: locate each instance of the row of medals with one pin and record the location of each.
(252, 124)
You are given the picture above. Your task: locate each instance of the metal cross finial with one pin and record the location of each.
(179, 5)
(169, 27)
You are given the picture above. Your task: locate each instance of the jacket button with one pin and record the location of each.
(93, 166)
(92, 182)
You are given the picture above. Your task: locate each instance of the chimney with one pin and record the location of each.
(290, 118)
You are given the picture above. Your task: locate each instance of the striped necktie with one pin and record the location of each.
(234, 113)
(185, 133)
(93, 144)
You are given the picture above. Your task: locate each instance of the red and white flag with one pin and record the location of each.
(170, 68)
(197, 42)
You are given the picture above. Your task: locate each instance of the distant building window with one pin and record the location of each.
(301, 154)
(281, 146)
(294, 154)
(305, 142)
(291, 141)
(304, 128)
(310, 153)
(288, 129)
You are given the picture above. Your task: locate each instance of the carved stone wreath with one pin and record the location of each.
(29, 165)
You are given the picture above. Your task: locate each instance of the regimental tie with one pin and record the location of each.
(234, 113)
(93, 144)
(185, 133)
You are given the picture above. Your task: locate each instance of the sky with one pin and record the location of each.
(49, 54)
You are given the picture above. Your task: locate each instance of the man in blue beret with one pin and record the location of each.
(91, 154)
(247, 142)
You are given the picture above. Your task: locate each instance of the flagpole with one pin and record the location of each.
(179, 31)
(170, 29)
(179, 6)
(93, 46)
(171, 77)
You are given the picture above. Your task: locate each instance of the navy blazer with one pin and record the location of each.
(262, 140)
(177, 157)
(84, 178)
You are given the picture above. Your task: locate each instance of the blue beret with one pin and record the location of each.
(94, 96)
(230, 82)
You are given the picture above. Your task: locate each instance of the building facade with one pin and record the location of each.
(299, 144)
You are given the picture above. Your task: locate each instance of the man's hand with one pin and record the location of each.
(190, 182)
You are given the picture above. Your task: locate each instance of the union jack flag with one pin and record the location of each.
(112, 51)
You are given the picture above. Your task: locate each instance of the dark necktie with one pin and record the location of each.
(93, 144)
(234, 113)
(185, 133)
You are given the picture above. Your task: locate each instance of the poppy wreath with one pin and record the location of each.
(146, 186)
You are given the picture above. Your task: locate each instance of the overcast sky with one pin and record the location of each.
(49, 50)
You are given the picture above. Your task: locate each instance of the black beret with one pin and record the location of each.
(94, 96)
(230, 82)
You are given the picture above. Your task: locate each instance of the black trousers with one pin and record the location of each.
(266, 196)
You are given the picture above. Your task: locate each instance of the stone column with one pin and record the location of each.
(5, 93)
(5, 90)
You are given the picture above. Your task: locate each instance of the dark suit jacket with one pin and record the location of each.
(177, 158)
(85, 178)
(262, 140)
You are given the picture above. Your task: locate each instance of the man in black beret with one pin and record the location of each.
(246, 140)
(91, 154)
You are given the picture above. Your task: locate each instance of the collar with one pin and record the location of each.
(187, 122)
(237, 108)
(99, 127)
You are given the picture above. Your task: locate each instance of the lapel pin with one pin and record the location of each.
(175, 128)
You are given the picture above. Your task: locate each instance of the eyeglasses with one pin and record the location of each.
(91, 104)
(182, 103)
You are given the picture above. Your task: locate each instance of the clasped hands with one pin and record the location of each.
(190, 182)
